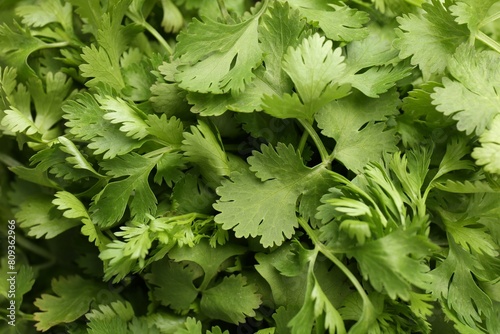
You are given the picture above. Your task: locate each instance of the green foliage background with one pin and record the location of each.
(300, 166)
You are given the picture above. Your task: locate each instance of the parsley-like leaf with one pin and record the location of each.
(216, 57)
(430, 39)
(73, 297)
(344, 119)
(266, 208)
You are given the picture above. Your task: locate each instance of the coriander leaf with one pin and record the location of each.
(312, 66)
(266, 208)
(174, 285)
(431, 38)
(49, 98)
(47, 159)
(25, 279)
(192, 195)
(371, 63)
(393, 8)
(119, 111)
(453, 160)
(192, 326)
(45, 12)
(343, 120)
(454, 281)
(207, 257)
(465, 187)
(216, 57)
(101, 68)
(280, 28)
(110, 318)
(242, 302)
(469, 233)
(169, 99)
(287, 290)
(137, 75)
(72, 299)
(91, 12)
(169, 168)
(216, 104)
(172, 18)
(169, 131)
(472, 12)
(203, 148)
(341, 24)
(16, 45)
(86, 121)
(314, 69)
(394, 263)
(109, 205)
(38, 215)
(377, 80)
(72, 208)
(473, 99)
(76, 158)
(488, 155)
(411, 170)
(17, 121)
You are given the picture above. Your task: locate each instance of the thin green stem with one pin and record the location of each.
(303, 141)
(490, 19)
(223, 10)
(488, 41)
(142, 22)
(158, 152)
(35, 249)
(9, 161)
(417, 3)
(57, 45)
(325, 158)
(326, 252)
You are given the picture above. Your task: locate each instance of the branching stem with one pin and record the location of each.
(325, 158)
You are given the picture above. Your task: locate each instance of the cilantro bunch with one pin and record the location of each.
(190, 166)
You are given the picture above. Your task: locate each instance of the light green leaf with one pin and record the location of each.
(119, 111)
(72, 299)
(343, 120)
(472, 12)
(76, 159)
(469, 233)
(207, 257)
(17, 121)
(430, 38)
(314, 69)
(174, 285)
(280, 28)
(100, 68)
(45, 12)
(473, 99)
(38, 215)
(453, 280)
(241, 304)
(266, 208)
(109, 319)
(86, 121)
(203, 148)
(16, 45)
(341, 24)
(394, 263)
(216, 57)
(167, 130)
(109, 205)
(73, 208)
(488, 155)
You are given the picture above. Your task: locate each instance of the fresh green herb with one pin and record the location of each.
(233, 166)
